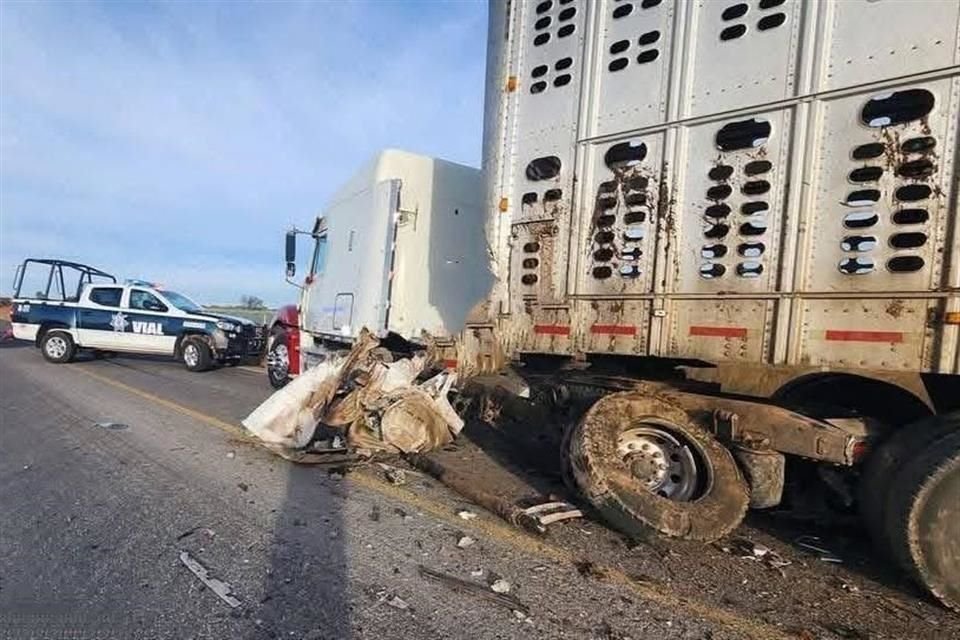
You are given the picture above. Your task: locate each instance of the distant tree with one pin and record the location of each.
(251, 302)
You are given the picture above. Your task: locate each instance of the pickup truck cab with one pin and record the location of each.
(100, 314)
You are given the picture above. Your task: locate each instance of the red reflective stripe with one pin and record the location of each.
(719, 332)
(837, 335)
(293, 351)
(552, 329)
(614, 329)
(449, 364)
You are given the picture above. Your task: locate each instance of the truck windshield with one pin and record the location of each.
(182, 302)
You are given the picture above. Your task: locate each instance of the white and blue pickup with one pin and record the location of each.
(64, 306)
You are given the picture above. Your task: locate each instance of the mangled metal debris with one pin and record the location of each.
(360, 403)
(219, 587)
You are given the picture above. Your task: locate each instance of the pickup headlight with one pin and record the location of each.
(227, 326)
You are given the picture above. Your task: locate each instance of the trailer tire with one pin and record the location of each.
(648, 467)
(57, 346)
(278, 359)
(195, 354)
(923, 519)
(873, 491)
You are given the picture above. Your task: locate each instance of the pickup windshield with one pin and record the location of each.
(182, 302)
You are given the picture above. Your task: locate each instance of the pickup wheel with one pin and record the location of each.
(648, 467)
(278, 359)
(923, 519)
(195, 354)
(57, 346)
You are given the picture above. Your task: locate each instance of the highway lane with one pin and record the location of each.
(95, 519)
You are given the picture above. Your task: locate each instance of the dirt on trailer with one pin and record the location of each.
(793, 569)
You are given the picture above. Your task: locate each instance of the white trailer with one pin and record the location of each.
(399, 250)
(758, 196)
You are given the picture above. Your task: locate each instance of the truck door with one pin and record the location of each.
(99, 317)
(150, 327)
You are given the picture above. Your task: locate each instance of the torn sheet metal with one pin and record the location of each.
(368, 404)
(219, 587)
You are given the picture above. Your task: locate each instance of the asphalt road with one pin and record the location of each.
(94, 520)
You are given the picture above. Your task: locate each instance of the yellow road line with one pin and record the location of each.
(498, 531)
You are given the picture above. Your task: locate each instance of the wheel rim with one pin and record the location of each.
(56, 347)
(278, 361)
(665, 464)
(191, 355)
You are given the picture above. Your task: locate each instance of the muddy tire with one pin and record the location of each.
(647, 467)
(873, 491)
(57, 346)
(195, 354)
(923, 519)
(278, 359)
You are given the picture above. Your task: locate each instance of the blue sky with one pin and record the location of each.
(178, 141)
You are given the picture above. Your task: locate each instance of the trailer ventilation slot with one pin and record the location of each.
(918, 145)
(859, 243)
(545, 168)
(750, 208)
(531, 263)
(751, 249)
(772, 21)
(567, 14)
(910, 216)
(529, 279)
(629, 270)
(649, 4)
(618, 64)
(896, 108)
(637, 183)
(541, 39)
(529, 198)
(619, 46)
(756, 187)
(868, 151)
(910, 240)
(713, 251)
(565, 30)
(916, 169)
(542, 23)
(860, 220)
(717, 211)
(622, 11)
(753, 228)
(562, 80)
(863, 197)
(531, 247)
(757, 167)
(717, 231)
(537, 87)
(633, 253)
(719, 192)
(770, 4)
(606, 221)
(604, 237)
(856, 266)
(712, 270)
(603, 254)
(633, 234)
(552, 195)
(539, 71)
(602, 273)
(563, 63)
(635, 199)
(648, 38)
(866, 174)
(913, 192)
(744, 134)
(749, 269)
(543, 7)
(905, 264)
(734, 11)
(634, 217)
(625, 154)
(720, 172)
(648, 56)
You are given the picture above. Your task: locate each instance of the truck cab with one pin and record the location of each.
(76, 306)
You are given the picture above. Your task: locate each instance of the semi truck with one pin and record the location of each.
(399, 250)
(725, 232)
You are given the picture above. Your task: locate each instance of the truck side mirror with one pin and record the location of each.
(291, 254)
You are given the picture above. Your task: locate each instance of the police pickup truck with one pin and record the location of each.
(65, 306)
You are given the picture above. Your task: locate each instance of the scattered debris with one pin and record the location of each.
(465, 541)
(113, 426)
(394, 475)
(466, 515)
(465, 586)
(375, 513)
(243, 486)
(588, 569)
(219, 587)
(398, 603)
(554, 511)
(477, 573)
(500, 586)
(747, 549)
(845, 631)
(231, 455)
(814, 544)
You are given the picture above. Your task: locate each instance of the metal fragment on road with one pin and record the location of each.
(398, 603)
(465, 542)
(465, 586)
(112, 426)
(466, 515)
(500, 586)
(219, 587)
(550, 512)
(813, 543)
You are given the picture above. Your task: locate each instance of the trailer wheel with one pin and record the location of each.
(881, 465)
(195, 354)
(923, 519)
(278, 359)
(57, 346)
(648, 467)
